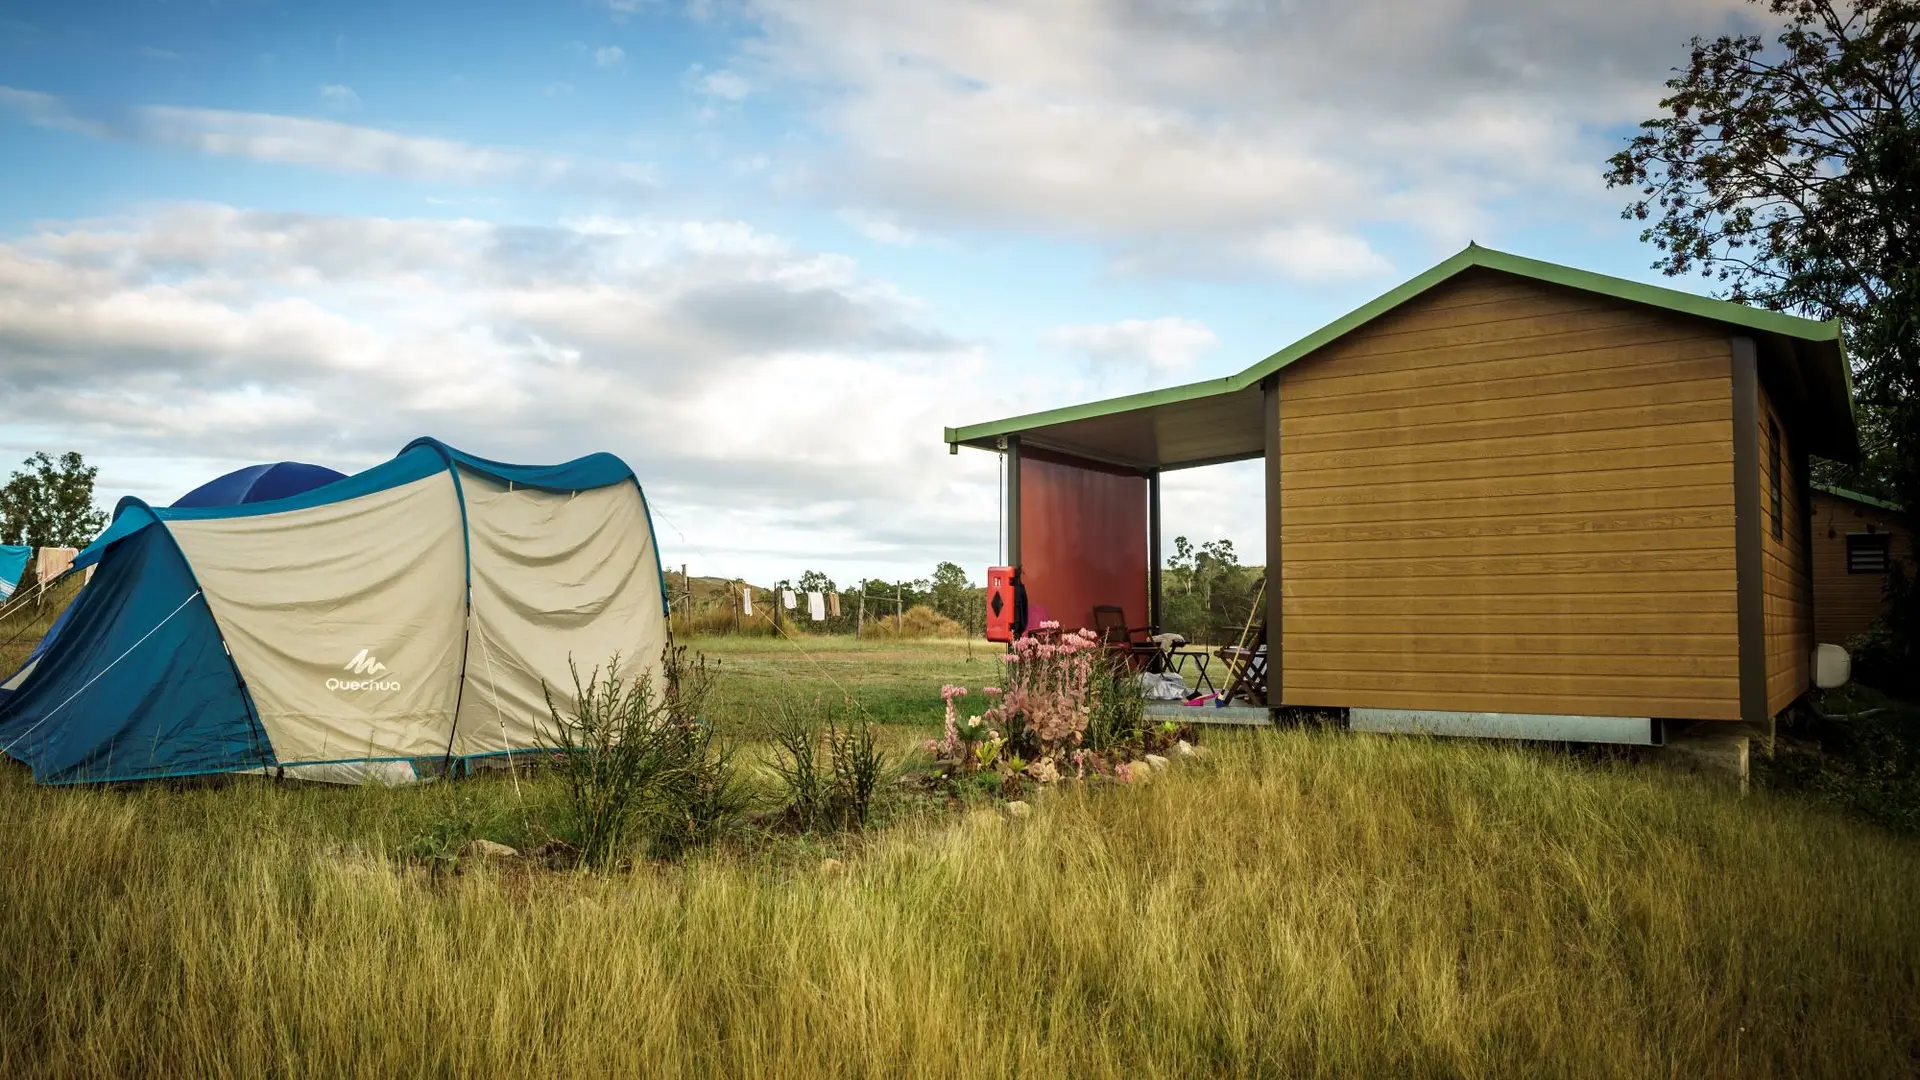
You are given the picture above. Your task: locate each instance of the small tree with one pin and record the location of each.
(50, 503)
(957, 598)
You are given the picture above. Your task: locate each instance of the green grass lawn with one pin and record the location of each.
(1298, 903)
(887, 682)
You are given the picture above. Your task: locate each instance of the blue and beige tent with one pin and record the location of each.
(255, 483)
(412, 611)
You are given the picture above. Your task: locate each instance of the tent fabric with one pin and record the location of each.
(138, 685)
(132, 515)
(376, 583)
(414, 610)
(554, 576)
(13, 563)
(260, 483)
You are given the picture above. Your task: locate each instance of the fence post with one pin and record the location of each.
(860, 617)
(899, 610)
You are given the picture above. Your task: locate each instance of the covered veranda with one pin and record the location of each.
(1083, 503)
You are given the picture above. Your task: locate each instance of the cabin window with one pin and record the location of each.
(1867, 553)
(1773, 472)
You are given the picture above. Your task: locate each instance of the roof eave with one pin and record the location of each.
(985, 435)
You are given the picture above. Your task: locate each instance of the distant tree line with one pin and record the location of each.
(918, 604)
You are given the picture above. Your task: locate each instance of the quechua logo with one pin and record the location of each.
(364, 664)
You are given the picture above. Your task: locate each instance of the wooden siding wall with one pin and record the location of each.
(1845, 604)
(1788, 598)
(1508, 497)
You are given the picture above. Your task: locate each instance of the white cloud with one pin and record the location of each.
(882, 228)
(1163, 346)
(1224, 135)
(608, 55)
(332, 146)
(777, 403)
(47, 111)
(725, 84)
(339, 96)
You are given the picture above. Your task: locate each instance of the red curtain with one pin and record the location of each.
(1083, 539)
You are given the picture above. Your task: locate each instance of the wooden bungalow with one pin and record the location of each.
(1507, 497)
(1856, 541)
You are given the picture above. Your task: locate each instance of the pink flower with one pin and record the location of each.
(991, 691)
(948, 693)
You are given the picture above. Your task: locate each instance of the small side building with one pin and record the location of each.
(1856, 540)
(1507, 496)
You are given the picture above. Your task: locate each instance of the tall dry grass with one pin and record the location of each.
(1300, 905)
(28, 614)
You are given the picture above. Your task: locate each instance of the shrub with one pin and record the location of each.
(636, 759)
(918, 622)
(830, 771)
(1069, 708)
(1037, 718)
(1853, 749)
(1117, 711)
(1887, 656)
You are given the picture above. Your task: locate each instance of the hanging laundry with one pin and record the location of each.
(746, 601)
(53, 561)
(816, 607)
(833, 604)
(13, 563)
(786, 599)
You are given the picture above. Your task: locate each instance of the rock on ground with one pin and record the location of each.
(487, 849)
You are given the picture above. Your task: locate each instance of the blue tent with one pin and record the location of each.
(415, 610)
(260, 483)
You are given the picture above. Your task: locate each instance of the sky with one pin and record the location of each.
(764, 250)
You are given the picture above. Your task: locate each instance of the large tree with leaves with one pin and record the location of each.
(1788, 171)
(49, 503)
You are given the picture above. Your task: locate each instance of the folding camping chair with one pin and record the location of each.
(1246, 662)
(1130, 643)
(1246, 669)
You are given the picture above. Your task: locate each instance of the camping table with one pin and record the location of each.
(1201, 657)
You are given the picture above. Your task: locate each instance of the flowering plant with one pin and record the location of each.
(1037, 719)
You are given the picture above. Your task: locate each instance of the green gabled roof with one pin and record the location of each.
(1854, 496)
(1821, 336)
